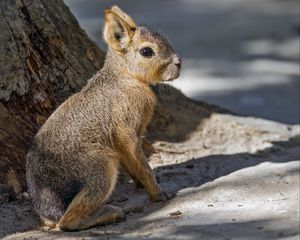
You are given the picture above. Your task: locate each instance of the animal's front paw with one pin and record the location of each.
(164, 196)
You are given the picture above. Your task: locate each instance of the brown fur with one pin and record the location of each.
(73, 164)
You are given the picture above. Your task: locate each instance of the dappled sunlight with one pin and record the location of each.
(201, 77)
(240, 195)
(285, 49)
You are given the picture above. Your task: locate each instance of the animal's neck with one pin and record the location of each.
(115, 64)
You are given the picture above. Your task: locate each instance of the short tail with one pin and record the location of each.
(13, 181)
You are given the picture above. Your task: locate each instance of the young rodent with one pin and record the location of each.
(73, 163)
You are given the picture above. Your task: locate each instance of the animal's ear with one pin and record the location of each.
(119, 28)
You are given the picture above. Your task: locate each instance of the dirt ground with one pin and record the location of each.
(234, 178)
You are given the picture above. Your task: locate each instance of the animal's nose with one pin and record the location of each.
(177, 62)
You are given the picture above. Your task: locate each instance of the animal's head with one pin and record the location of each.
(146, 55)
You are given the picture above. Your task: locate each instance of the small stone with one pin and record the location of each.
(175, 214)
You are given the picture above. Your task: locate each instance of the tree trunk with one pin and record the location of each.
(44, 57)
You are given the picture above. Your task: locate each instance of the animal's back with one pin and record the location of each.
(57, 163)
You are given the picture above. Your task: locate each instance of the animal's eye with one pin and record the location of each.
(147, 52)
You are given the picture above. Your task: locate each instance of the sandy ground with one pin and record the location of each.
(239, 54)
(235, 178)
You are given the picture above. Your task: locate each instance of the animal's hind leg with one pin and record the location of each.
(103, 215)
(85, 214)
(87, 208)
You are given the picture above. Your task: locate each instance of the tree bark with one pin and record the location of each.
(44, 57)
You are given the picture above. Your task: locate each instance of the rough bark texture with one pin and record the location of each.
(44, 57)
